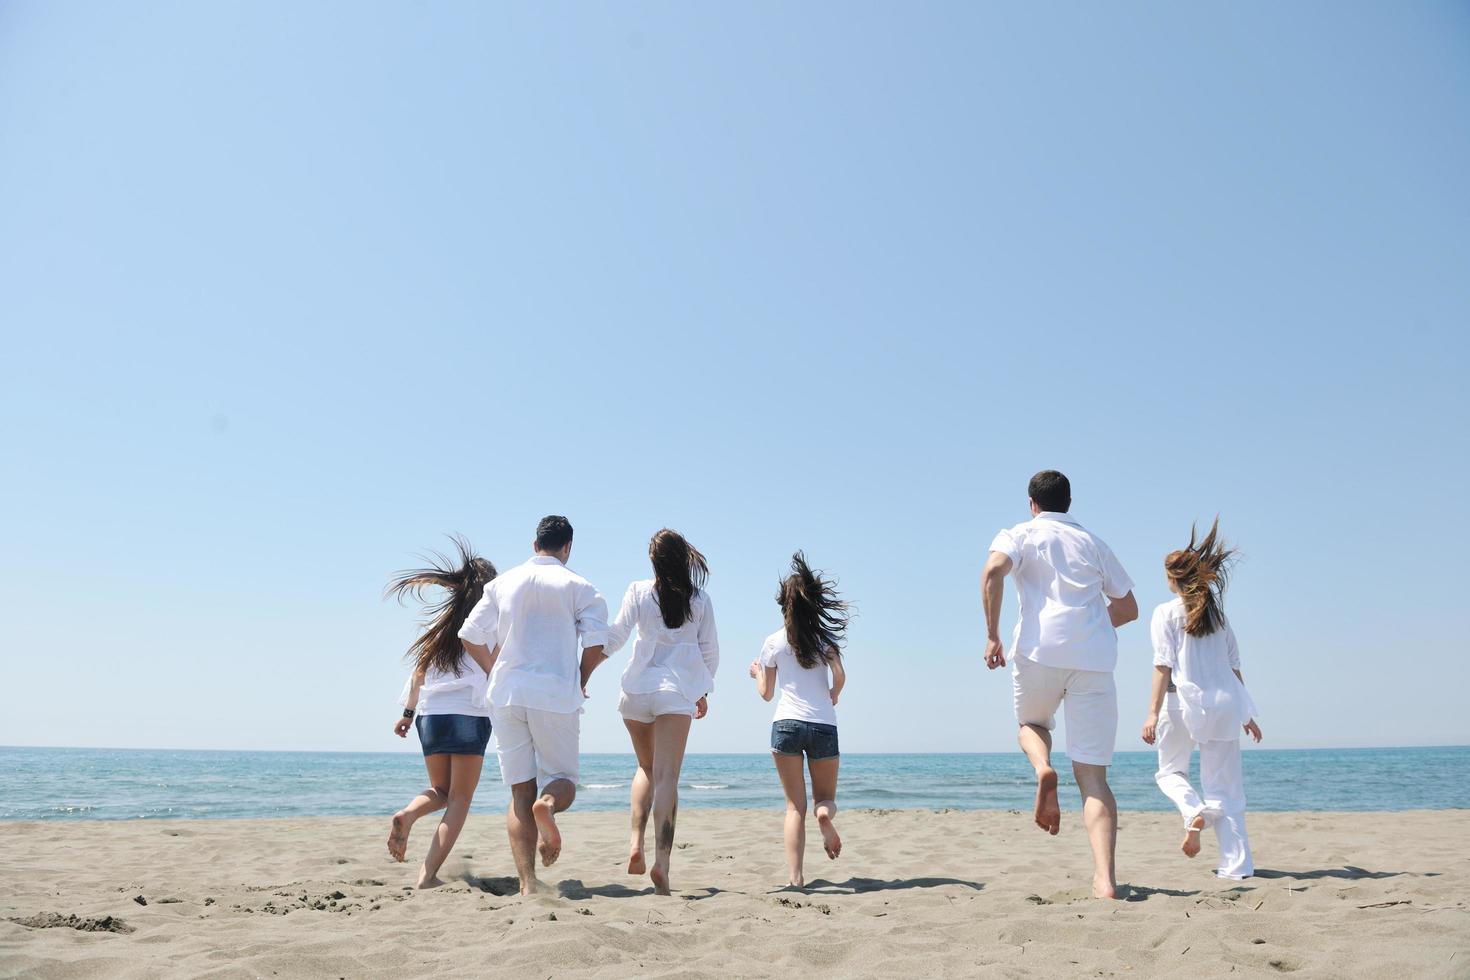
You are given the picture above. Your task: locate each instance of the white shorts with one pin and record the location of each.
(1091, 701)
(535, 744)
(646, 707)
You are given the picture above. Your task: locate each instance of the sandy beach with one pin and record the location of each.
(915, 892)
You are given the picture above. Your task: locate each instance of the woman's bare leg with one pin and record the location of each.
(670, 736)
(431, 799)
(642, 795)
(793, 784)
(824, 802)
(464, 777)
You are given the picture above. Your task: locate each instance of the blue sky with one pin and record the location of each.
(289, 291)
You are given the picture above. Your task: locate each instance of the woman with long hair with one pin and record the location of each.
(447, 691)
(1199, 698)
(805, 658)
(665, 686)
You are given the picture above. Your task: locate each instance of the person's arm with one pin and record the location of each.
(839, 675)
(1156, 701)
(709, 651)
(992, 590)
(410, 703)
(1124, 610)
(622, 627)
(763, 669)
(592, 628)
(483, 656)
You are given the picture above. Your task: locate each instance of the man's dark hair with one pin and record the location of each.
(1051, 491)
(553, 533)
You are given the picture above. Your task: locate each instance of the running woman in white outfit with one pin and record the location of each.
(665, 687)
(1199, 698)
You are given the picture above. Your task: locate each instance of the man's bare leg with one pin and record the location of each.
(520, 825)
(1036, 743)
(670, 736)
(641, 798)
(556, 797)
(1100, 816)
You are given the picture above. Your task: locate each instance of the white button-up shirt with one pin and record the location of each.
(535, 613)
(682, 660)
(1064, 576)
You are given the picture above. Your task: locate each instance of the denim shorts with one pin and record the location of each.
(792, 737)
(453, 734)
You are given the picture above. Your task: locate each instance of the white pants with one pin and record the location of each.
(1221, 779)
(535, 744)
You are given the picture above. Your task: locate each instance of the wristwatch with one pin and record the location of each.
(408, 712)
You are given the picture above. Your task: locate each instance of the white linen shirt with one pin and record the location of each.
(1064, 577)
(535, 614)
(1213, 701)
(682, 660)
(447, 693)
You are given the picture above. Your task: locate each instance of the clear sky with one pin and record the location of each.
(288, 291)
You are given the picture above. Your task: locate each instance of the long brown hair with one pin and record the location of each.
(816, 617)
(463, 579)
(679, 571)
(1200, 572)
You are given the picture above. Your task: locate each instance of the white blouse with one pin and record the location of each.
(1214, 702)
(442, 693)
(682, 660)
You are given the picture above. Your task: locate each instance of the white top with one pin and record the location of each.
(445, 694)
(1214, 702)
(806, 692)
(535, 614)
(682, 660)
(1064, 576)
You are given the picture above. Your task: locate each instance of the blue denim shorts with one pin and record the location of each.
(792, 737)
(453, 734)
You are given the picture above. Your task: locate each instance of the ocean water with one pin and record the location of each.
(125, 784)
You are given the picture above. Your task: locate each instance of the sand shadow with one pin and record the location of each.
(1142, 893)
(1346, 872)
(860, 886)
(501, 887)
(574, 890)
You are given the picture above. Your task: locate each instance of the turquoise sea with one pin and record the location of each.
(125, 784)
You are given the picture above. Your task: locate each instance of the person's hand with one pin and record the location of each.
(995, 654)
(1253, 729)
(401, 727)
(701, 707)
(755, 666)
(1150, 728)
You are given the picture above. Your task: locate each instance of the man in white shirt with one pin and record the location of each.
(1074, 594)
(528, 624)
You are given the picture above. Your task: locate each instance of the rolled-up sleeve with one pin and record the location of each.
(591, 616)
(709, 640)
(1006, 543)
(1161, 631)
(481, 625)
(622, 627)
(1115, 582)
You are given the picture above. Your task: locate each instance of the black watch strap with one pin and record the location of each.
(408, 712)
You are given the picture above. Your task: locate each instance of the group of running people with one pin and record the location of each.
(512, 653)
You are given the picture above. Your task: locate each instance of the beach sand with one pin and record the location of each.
(914, 893)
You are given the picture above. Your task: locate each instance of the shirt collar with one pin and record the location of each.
(1052, 515)
(545, 560)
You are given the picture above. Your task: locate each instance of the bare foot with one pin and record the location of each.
(1103, 888)
(1048, 811)
(1190, 847)
(636, 864)
(398, 837)
(797, 881)
(660, 878)
(430, 882)
(830, 841)
(529, 887)
(549, 843)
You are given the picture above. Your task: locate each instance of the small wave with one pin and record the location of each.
(706, 785)
(603, 785)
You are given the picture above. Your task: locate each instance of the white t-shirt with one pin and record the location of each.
(443, 693)
(682, 660)
(806, 692)
(1064, 577)
(1213, 701)
(536, 613)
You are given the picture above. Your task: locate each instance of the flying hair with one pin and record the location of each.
(679, 571)
(816, 616)
(1201, 573)
(463, 579)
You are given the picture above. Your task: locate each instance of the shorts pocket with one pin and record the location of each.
(786, 737)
